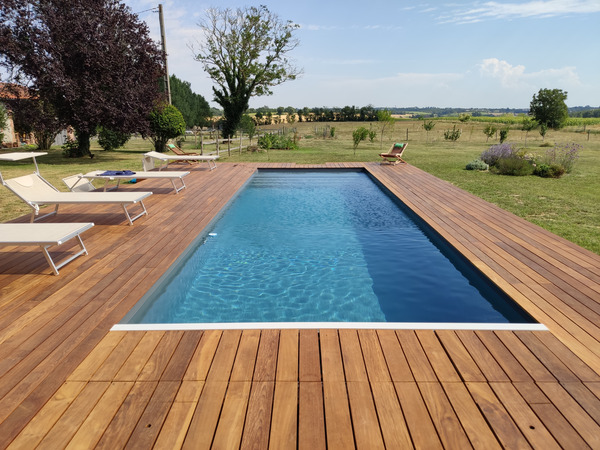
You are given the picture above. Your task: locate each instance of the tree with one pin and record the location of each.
(489, 131)
(548, 108)
(428, 127)
(92, 60)
(3, 122)
(37, 117)
(193, 107)
(358, 135)
(166, 122)
(384, 117)
(248, 126)
(245, 53)
(527, 125)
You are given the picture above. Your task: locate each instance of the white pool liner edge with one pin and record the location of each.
(331, 325)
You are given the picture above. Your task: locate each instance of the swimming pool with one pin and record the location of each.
(322, 246)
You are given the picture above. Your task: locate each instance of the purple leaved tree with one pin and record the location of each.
(92, 60)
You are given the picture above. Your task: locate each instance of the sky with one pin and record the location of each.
(386, 53)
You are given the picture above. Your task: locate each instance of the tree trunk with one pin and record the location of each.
(83, 141)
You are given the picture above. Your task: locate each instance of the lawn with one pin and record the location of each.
(569, 206)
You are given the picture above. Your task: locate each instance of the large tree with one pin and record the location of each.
(549, 109)
(92, 60)
(193, 107)
(245, 51)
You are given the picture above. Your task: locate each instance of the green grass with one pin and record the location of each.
(568, 206)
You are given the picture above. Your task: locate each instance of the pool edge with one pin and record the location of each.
(331, 325)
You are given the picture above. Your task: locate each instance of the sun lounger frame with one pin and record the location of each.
(74, 231)
(150, 158)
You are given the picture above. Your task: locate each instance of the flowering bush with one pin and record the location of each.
(564, 155)
(496, 152)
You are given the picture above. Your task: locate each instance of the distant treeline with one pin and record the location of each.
(369, 113)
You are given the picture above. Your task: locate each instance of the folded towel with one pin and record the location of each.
(109, 173)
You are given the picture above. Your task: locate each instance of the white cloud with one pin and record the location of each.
(517, 77)
(537, 8)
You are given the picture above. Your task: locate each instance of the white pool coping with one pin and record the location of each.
(330, 325)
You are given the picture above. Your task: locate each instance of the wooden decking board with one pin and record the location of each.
(65, 379)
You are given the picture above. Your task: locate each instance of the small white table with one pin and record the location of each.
(172, 176)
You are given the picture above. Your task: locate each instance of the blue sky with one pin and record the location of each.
(490, 54)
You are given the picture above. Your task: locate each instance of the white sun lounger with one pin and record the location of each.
(45, 235)
(150, 158)
(35, 191)
(80, 182)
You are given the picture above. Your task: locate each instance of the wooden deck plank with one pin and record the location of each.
(284, 423)
(258, 419)
(527, 421)
(418, 420)
(474, 424)
(364, 416)
(585, 426)
(287, 359)
(92, 429)
(35, 430)
(245, 360)
(64, 429)
(337, 411)
(466, 367)
(442, 366)
(448, 425)
(206, 415)
(311, 416)
(231, 423)
(147, 429)
(393, 427)
(496, 415)
(65, 378)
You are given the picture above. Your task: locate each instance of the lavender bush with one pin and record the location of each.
(564, 155)
(496, 152)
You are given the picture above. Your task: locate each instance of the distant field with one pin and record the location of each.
(569, 206)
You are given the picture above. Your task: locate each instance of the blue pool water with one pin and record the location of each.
(322, 246)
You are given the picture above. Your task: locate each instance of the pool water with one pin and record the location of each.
(322, 246)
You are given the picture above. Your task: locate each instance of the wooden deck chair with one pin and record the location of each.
(45, 235)
(394, 154)
(179, 151)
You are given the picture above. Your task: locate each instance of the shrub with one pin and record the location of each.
(70, 148)
(489, 131)
(549, 170)
(514, 165)
(477, 164)
(372, 135)
(564, 155)
(453, 134)
(360, 134)
(496, 152)
(283, 142)
(166, 122)
(503, 134)
(111, 140)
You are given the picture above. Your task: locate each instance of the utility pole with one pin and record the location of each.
(164, 50)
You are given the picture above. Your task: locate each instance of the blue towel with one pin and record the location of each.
(109, 173)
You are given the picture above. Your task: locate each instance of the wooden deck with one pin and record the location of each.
(66, 380)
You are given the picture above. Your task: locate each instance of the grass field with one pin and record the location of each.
(569, 206)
